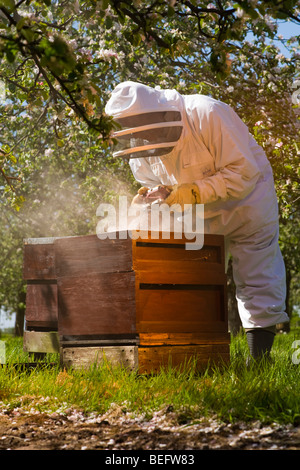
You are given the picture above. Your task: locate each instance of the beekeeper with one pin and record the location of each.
(203, 150)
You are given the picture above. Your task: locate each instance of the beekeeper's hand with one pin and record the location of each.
(186, 193)
(139, 197)
(150, 196)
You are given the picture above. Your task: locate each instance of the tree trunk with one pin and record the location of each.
(234, 321)
(285, 327)
(20, 314)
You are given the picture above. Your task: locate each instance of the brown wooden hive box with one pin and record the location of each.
(41, 316)
(181, 304)
(144, 303)
(39, 272)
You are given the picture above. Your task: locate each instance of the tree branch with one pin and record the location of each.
(60, 27)
(16, 84)
(7, 179)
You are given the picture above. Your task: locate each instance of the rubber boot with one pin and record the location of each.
(260, 342)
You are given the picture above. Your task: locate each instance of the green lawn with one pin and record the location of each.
(269, 392)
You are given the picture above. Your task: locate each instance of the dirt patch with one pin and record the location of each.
(119, 430)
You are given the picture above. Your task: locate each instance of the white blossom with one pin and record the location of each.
(107, 54)
(272, 86)
(239, 12)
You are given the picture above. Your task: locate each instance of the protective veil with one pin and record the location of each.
(210, 145)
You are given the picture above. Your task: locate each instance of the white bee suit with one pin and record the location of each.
(235, 181)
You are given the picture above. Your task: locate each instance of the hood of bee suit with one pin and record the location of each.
(151, 119)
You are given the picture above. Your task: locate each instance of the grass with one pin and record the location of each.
(269, 393)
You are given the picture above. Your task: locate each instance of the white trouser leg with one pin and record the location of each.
(259, 275)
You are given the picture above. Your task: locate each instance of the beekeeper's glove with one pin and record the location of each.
(186, 193)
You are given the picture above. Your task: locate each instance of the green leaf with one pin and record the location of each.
(3, 25)
(12, 87)
(281, 15)
(21, 23)
(17, 202)
(108, 22)
(12, 158)
(8, 4)
(28, 34)
(104, 4)
(253, 13)
(171, 11)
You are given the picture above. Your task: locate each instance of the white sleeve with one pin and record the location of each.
(142, 172)
(228, 140)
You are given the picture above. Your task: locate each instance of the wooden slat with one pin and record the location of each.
(176, 265)
(41, 341)
(41, 303)
(180, 305)
(171, 237)
(153, 256)
(99, 340)
(173, 327)
(171, 277)
(152, 359)
(80, 256)
(97, 304)
(37, 325)
(203, 337)
(85, 357)
(171, 255)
